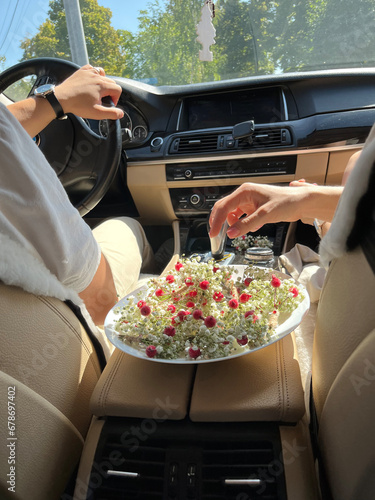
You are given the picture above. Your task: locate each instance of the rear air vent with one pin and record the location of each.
(263, 138)
(184, 460)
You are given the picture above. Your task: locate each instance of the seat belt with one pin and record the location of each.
(95, 342)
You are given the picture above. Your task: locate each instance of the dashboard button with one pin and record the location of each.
(195, 199)
(156, 143)
(188, 174)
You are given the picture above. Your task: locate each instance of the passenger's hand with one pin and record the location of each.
(83, 91)
(252, 205)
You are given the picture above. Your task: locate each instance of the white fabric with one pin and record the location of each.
(333, 245)
(36, 213)
(303, 265)
(20, 268)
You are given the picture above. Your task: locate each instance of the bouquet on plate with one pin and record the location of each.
(202, 311)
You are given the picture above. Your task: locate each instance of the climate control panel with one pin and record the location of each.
(197, 201)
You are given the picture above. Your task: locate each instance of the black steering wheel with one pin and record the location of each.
(85, 154)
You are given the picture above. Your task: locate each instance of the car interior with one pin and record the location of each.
(252, 427)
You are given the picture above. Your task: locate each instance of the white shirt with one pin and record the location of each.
(36, 213)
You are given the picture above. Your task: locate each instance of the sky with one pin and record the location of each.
(20, 18)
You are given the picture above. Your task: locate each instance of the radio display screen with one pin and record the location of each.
(228, 109)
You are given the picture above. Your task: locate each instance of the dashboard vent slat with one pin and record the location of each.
(263, 138)
(193, 144)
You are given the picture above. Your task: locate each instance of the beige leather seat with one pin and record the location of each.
(343, 377)
(48, 370)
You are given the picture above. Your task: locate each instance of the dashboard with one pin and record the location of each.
(185, 147)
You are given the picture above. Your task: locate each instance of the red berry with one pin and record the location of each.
(151, 351)
(218, 296)
(141, 303)
(159, 292)
(248, 313)
(247, 281)
(215, 269)
(190, 304)
(193, 293)
(275, 282)
(243, 340)
(182, 314)
(194, 353)
(171, 308)
(189, 281)
(178, 266)
(197, 314)
(210, 321)
(244, 297)
(170, 278)
(204, 285)
(145, 310)
(233, 303)
(255, 318)
(226, 342)
(294, 291)
(170, 331)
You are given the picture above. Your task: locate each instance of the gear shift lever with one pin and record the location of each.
(218, 242)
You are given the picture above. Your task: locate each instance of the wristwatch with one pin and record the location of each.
(47, 91)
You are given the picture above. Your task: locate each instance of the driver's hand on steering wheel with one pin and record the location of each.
(83, 91)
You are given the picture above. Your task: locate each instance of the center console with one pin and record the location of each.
(224, 430)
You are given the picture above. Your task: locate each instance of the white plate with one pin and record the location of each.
(288, 326)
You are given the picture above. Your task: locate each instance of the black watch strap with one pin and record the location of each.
(48, 92)
(54, 102)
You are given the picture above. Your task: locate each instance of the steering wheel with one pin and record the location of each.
(85, 154)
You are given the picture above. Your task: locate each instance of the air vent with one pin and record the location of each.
(268, 138)
(184, 460)
(228, 471)
(263, 138)
(195, 144)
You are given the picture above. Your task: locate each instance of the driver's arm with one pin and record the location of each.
(80, 94)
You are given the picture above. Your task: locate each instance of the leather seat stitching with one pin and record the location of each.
(285, 385)
(278, 378)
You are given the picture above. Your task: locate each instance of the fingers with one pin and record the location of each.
(225, 209)
(246, 225)
(109, 113)
(99, 70)
(83, 91)
(231, 208)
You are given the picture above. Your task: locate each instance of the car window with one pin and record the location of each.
(157, 41)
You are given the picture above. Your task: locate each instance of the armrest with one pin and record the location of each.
(133, 387)
(262, 386)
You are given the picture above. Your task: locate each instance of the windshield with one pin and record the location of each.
(163, 42)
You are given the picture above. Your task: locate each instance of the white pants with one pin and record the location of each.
(125, 246)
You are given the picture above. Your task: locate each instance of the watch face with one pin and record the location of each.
(44, 89)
